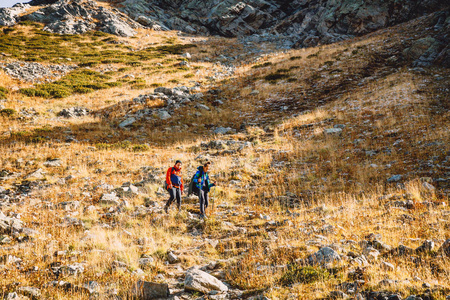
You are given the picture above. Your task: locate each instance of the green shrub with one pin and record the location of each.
(30, 92)
(134, 63)
(276, 76)
(140, 148)
(190, 75)
(7, 112)
(3, 92)
(266, 64)
(298, 274)
(313, 55)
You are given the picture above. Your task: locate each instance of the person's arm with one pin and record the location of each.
(168, 181)
(182, 184)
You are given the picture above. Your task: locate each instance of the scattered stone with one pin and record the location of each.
(53, 163)
(172, 258)
(32, 292)
(163, 115)
(109, 199)
(146, 262)
(385, 266)
(35, 72)
(127, 122)
(146, 290)
(38, 174)
(333, 131)
(395, 178)
(197, 280)
(427, 246)
(223, 130)
(74, 112)
(445, 248)
(324, 257)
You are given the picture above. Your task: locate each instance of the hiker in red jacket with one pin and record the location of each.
(174, 184)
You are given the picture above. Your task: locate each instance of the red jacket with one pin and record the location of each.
(173, 177)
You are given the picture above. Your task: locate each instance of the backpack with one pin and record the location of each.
(193, 189)
(165, 185)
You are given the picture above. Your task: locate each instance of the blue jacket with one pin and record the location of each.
(205, 183)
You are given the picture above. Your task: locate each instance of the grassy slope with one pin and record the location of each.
(396, 122)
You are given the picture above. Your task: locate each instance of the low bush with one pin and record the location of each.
(299, 274)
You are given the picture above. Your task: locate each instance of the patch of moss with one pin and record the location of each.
(7, 112)
(3, 92)
(266, 64)
(298, 274)
(79, 81)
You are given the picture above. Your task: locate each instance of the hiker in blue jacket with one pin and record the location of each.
(201, 179)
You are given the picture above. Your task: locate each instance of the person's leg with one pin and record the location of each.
(206, 200)
(201, 198)
(172, 196)
(178, 195)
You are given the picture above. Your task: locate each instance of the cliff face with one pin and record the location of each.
(298, 23)
(302, 22)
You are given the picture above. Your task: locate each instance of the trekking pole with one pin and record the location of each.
(212, 200)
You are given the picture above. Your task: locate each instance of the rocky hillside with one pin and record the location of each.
(332, 162)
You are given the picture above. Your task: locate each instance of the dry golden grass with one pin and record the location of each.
(293, 174)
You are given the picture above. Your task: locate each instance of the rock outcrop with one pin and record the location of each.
(9, 15)
(80, 16)
(303, 23)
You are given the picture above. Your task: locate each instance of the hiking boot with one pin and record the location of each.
(166, 209)
(179, 208)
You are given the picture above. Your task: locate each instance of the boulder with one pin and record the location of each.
(31, 292)
(445, 248)
(197, 280)
(8, 15)
(76, 17)
(127, 122)
(324, 257)
(145, 290)
(109, 199)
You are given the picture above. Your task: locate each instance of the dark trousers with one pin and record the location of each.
(203, 197)
(174, 193)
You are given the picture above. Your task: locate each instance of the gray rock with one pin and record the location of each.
(8, 15)
(222, 130)
(445, 248)
(197, 280)
(53, 163)
(203, 107)
(427, 246)
(163, 115)
(395, 178)
(146, 290)
(76, 17)
(146, 262)
(74, 112)
(385, 266)
(332, 131)
(164, 90)
(338, 295)
(38, 174)
(324, 257)
(127, 122)
(31, 292)
(35, 72)
(172, 258)
(109, 199)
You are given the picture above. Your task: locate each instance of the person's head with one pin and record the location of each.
(178, 164)
(206, 166)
